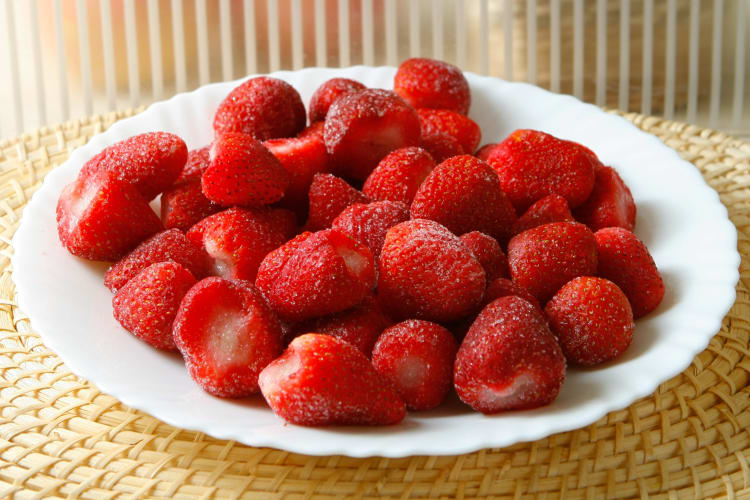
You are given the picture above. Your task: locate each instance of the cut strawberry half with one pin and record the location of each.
(322, 380)
(364, 126)
(316, 274)
(509, 359)
(417, 357)
(236, 240)
(101, 219)
(227, 334)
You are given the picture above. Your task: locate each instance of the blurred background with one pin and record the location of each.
(681, 59)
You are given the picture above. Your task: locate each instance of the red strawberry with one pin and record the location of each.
(263, 107)
(398, 176)
(488, 252)
(360, 326)
(227, 334)
(243, 172)
(184, 204)
(417, 357)
(502, 287)
(427, 83)
(322, 380)
(485, 151)
(316, 274)
(532, 165)
(610, 203)
(197, 163)
(101, 219)
(169, 245)
(329, 196)
(150, 162)
(443, 121)
(464, 195)
(236, 240)
(364, 126)
(546, 257)
(441, 146)
(147, 305)
(509, 359)
(625, 260)
(427, 273)
(592, 320)
(552, 208)
(328, 93)
(368, 223)
(302, 157)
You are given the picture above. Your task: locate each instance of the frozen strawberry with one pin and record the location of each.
(488, 252)
(243, 172)
(360, 325)
(328, 93)
(398, 176)
(102, 219)
(502, 287)
(610, 203)
(362, 127)
(263, 107)
(592, 320)
(427, 273)
(197, 163)
(147, 305)
(509, 359)
(441, 146)
(368, 223)
(322, 380)
(552, 208)
(237, 239)
(427, 83)
(149, 162)
(625, 260)
(227, 334)
(447, 122)
(532, 165)
(329, 196)
(546, 257)
(302, 158)
(464, 195)
(316, 274)
(184, 204)
(169, 245)
(484, 152)
(417, 357)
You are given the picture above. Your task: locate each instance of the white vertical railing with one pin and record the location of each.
(669, 70)
(225, 28)
(648, 56)
(15, 75)
(154, 49)
(531, 41)
(67, 58)
(601, 52)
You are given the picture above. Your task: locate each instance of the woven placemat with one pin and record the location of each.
(62, 438)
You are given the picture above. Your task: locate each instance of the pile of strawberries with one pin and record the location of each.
(371, 261)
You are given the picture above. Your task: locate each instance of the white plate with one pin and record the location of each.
(679, 217)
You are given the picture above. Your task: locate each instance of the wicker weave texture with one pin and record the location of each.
(62, 438)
